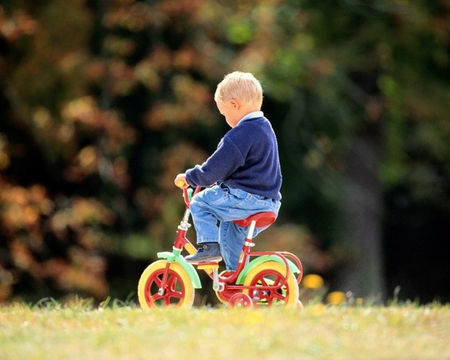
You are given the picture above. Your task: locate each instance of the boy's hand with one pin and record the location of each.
(180, 181)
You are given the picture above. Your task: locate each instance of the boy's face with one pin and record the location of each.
(230, 109)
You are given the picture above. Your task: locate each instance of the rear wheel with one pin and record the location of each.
(178, 291)
(271, 273)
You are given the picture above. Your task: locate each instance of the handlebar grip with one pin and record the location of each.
(181, 183)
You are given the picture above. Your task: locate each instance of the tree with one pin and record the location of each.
(89, 147)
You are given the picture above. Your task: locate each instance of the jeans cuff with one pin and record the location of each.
(202, 241)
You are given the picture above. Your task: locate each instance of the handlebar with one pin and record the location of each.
(181, 183)
(188, 193)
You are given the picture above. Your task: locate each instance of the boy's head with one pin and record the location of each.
(242, 87)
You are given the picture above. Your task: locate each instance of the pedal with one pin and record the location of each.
(208, 266)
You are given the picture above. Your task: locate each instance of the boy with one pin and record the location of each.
(245, 171)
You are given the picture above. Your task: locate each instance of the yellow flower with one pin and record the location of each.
(336, 298)
(312, 281)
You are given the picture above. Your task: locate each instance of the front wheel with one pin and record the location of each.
(178, 291)
(271, 273)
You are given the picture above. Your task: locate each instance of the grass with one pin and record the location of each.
(80, 331)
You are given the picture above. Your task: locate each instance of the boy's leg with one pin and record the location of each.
(225, 204)
(232, 240)
(203, 210)
(205, 223)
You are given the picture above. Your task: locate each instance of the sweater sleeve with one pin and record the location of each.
(218, 167)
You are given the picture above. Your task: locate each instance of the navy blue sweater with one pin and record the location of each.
(246, 158)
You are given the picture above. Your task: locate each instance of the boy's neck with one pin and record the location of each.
(244, 111)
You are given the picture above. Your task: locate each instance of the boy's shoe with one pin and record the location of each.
(209, 252)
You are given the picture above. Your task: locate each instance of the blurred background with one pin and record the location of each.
(103, 102)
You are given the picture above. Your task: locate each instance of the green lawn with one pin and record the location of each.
(317, 332)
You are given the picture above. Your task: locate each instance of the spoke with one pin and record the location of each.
(273, 296)
(170, 281)
(154, 298)
(171, 284)
(166, 300)
(158, 280)
(176, 294)
(170, 291)
(276, 294)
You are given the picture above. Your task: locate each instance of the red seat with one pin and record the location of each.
(262, 219)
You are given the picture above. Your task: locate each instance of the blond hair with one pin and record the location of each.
(242, 87)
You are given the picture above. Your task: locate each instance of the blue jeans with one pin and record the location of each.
(213, 211)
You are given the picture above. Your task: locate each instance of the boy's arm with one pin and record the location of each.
(218, 167)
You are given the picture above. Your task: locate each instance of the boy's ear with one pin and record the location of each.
(234, 103)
